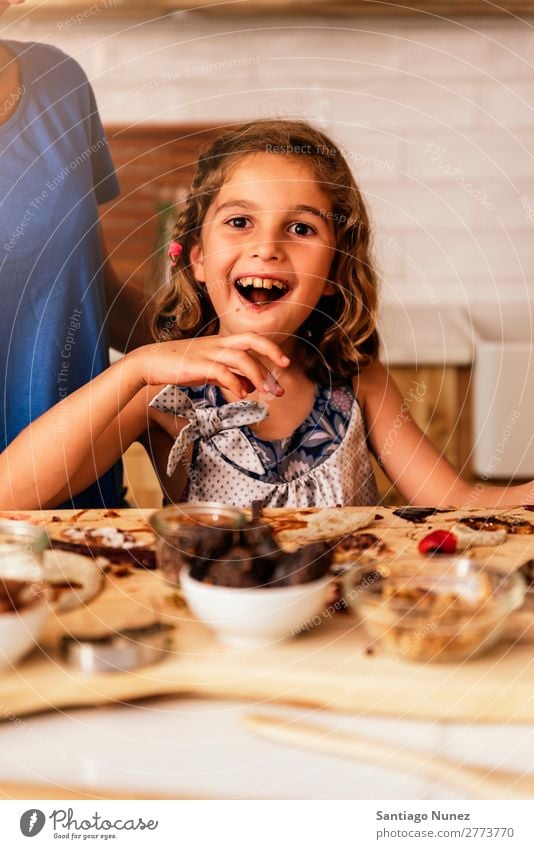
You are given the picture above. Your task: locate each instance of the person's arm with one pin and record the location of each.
(127, 312)
(72, 444)
(423, 476)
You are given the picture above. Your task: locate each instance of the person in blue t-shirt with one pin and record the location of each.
(55, 169)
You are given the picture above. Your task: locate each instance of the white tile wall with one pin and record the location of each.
(437, 119)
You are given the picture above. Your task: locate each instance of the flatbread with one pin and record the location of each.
(81, 578)
(306, 526)
(468, 538)
(117, 545)
(360, 547)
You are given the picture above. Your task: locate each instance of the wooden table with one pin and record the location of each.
(325, 674)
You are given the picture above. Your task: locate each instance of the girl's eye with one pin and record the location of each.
(302, 229)
(238, 222)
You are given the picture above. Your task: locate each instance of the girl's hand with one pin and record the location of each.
(227, 361)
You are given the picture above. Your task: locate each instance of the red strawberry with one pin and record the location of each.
(438, 542)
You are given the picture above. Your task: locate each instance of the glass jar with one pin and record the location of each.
(449, 609)
(194, 530)
(21, 550)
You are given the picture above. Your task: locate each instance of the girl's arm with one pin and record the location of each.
(73, 443)
(422, 475)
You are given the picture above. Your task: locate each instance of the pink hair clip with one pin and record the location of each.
(175, 252)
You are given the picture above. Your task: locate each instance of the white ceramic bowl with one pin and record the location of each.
(20, 630)
(255, 616)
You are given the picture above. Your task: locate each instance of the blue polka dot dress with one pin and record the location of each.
(324, 463)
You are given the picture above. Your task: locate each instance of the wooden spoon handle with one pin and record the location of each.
(479, 782)
(23, 790)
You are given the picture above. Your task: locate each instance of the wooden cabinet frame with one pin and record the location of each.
(305, 8)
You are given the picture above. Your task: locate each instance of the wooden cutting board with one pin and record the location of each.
(326, 667)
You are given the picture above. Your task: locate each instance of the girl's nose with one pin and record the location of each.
(267, 249)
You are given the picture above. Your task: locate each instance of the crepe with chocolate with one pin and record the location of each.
(294, 528)
(510, 524)
(116, 545)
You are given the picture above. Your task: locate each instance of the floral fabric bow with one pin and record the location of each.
(220, 425)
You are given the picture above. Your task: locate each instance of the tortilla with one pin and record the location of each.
(305, 526)
(79, 578)
(468, 538)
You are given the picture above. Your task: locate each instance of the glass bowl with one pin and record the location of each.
(199, 530)
(24, 611)
(449, 609)
(21, 550)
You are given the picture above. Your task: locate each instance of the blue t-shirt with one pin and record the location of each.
(55, 168)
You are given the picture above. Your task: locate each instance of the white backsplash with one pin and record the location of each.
(437, 119)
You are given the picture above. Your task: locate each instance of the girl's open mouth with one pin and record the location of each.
(261, 290)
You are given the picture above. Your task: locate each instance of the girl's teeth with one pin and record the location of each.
(261, 283)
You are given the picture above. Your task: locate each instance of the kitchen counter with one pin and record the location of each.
(197, 748)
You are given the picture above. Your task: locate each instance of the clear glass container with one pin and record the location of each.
(199, 530)
(21, 550)
(24, 596)
(449, 609)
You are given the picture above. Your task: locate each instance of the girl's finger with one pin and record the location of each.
(259, 344)
(247, 384)
(226, 379)
(249, 367)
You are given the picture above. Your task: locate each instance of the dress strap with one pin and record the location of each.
(219, 425)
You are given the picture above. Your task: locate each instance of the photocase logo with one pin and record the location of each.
(32, 822)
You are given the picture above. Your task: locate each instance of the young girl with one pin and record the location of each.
(265, 381)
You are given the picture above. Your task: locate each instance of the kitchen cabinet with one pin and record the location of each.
(378, 8)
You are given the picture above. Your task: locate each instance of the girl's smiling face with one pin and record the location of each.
(266, 246)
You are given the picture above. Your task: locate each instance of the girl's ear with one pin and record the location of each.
(196, 258)
(329, 288)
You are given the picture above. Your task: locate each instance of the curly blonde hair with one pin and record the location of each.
(342, 327)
